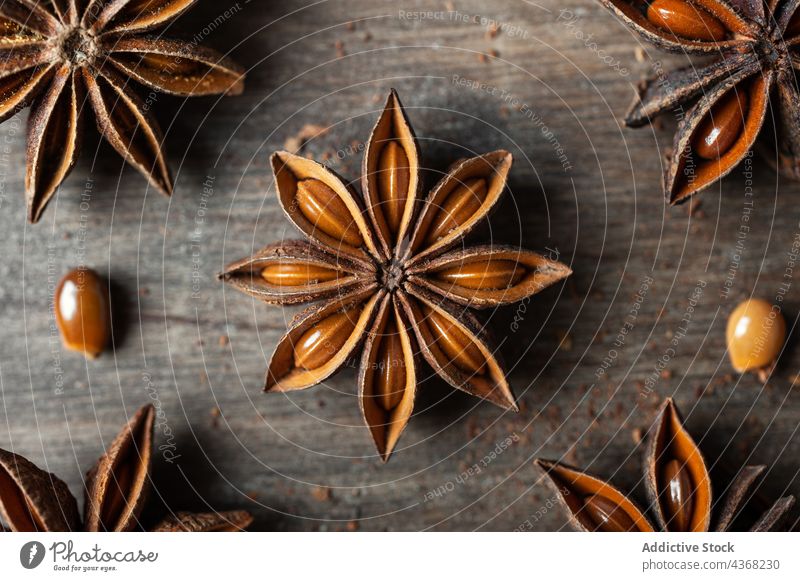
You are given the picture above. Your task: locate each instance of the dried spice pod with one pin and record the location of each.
(755, 336)
(387, 378)
(57, 53)
(593, 505)
(32, 500)
(82, 310)
(677, 482)
(727, 102)
(118, 485)
(390, 175)
(678, 487)
(387, 261)
(211, 522)
(294, 271)
(320, 341)
(488, 276)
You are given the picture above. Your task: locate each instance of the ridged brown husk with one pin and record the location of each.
(117, 487)
(390, 276)
(55, 54)
(756, 61)
(678, 488)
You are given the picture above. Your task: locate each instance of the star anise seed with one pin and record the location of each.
(54, 54)
(32, 500)
(388, 273)
(724, 105)
(678, 486)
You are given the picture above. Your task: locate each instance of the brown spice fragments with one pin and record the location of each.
(321, 493)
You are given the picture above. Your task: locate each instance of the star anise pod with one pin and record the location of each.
(32, 500)
(722, 106)
(383, 269)
(678, 487)
(55, 53)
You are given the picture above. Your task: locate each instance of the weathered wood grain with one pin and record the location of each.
(305, 462)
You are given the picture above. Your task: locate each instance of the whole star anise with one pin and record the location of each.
(54, 53)
(388, 277)
(678, 487)
(757, 45)
(32, 500)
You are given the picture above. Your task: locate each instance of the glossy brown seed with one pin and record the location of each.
(393, 179)
(722, 126)
(325, 210)
(755, 335)
(458, 207)
(455, 344)
(324, 340)
(607, 516)
(391, 376)
(82, 312)
(686, 20)
(491, 274)
(677, 496)
(297, 274)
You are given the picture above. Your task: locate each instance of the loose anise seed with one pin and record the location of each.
(722, 125)
(393, 179)
(82, 312)
(455, 344)
(324, 340)
(297, 274)
(459, 206)
(686, 20)
(755, 335)
(325, 210)
(678, 496)
(607, 516)
(487, 274)
(391, 378)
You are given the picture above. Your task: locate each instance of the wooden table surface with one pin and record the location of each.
(551, 86)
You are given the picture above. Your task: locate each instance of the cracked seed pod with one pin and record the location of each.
(678, 488)
(32, 500)
(726, 102)
(56, 54)
(386, 262)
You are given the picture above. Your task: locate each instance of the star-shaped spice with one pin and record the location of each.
(32, 500)
(390, 275)
(723, 106)
(57, 55)
(678, 488)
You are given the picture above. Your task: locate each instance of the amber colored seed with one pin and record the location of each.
(327, 211)
(490, 274)
(677, 492)
(82, 312)
(394, 176)
(722, 126)
(455, 344)
(324, 340)
(297, 274)
(460, 205)
(607, 516)
(686, 20)
(391, 378)
(755, 335)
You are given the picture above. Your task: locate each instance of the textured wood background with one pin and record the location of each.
(550, 86)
